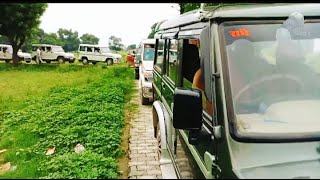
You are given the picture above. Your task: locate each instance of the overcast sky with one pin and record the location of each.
(130, 21)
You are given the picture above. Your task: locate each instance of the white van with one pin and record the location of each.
(6, 54)
(144, 63)
(51, 53)
(96, 53)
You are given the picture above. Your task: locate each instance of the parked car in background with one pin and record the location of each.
(90, 53)
(130, 57)
(6, 51)
(225, 111)
(145, 57)
(24, 56)
(51, 53)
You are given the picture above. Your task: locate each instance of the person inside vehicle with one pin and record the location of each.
(246, 69)
(192, 71)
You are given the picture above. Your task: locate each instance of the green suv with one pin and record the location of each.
(241, 96)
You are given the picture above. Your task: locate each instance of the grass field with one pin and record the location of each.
(58, 106)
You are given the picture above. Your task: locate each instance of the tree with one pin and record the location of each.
(132, 46)
(4, 40)
(52, 38)
(69, 39)
(34, 38)
(115, 43)
(89, 39)
(18, 22)
(153, 31)
(185, 7)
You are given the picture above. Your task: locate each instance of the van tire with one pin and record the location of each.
(48, 61)
(109, 62)
(7, 61)
(60, 60)
(94, 62)
(85, 61)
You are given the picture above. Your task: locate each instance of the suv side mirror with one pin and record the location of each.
(187, 112)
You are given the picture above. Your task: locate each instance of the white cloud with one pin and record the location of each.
(130, 21)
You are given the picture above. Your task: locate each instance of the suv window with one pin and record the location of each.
(172, 59)
(82, 48)
(191, 70)
(89, 49)
(160, 54)
(97, 50)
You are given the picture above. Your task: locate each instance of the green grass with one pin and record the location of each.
(60, 106)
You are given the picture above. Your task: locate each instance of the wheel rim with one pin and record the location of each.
(109, 62)
(85, 61)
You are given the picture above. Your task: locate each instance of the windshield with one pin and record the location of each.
(105, 50)
(274, 76)
(57, 49)
(148, 54)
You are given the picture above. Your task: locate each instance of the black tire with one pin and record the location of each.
(85, 61)
(144, 101)
(48, 61)
(94, 62)
(70, 62)
(7, 61)
(61, 60)
(136, 74)
(28, 62)
(109, 62)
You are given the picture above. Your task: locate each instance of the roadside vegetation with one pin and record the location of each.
(57, 107)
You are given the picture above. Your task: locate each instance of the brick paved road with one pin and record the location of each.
(143, 157)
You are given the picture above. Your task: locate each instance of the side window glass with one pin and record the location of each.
(82, 48)
(172, 59)
(89, 49)
(160, 54)
(97, 50)
(191, 70)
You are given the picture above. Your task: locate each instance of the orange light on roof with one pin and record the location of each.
(239, 33)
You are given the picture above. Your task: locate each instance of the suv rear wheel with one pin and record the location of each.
(85, 61)
(48, 61)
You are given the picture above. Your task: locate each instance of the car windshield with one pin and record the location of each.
(105, 50)
(57, 49)
(148, 54)
(274, 75)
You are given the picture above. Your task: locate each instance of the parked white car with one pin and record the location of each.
(96, 53)
(6, 51)
(145, 58)
(51, 53)
(24, 56)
